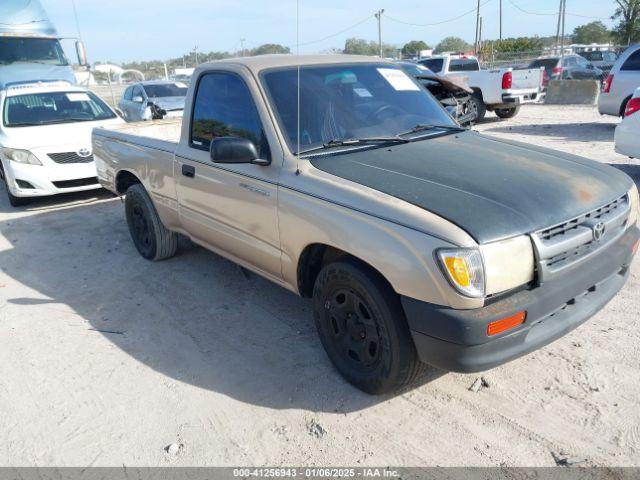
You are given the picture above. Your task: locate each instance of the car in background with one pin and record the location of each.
(627, 137)
(568, 67)
(152, 100)
(501, 90)
(453, 93)
(621, 83)
(604, 60)
(45, 138)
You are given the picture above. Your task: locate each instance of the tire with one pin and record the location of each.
(476, 104)
(13, 200)
(507, 112)
(151, 238)
(363, 329)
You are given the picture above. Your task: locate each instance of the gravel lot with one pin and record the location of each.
(106, 359)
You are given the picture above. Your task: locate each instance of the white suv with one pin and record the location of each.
(619, 86)
(45, 138)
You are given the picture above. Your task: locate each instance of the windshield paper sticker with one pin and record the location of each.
(181, 85)
(398, 79)
(362, 92)
(78, 97)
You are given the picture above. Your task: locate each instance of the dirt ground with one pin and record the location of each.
(107, 359)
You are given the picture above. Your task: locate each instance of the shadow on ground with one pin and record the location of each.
(598, 132)
(195, 318)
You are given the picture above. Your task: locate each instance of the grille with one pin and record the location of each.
(80, 182)
(562, 245)
(566, 227)
(70, 157)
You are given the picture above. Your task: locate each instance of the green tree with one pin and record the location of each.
(269, 48)
(627, 31)
(453, 44)
(359, 46)
(413, 47)
(594, 32)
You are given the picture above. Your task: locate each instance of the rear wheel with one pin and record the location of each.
(477, 106)
(363, 329)
(152, 239)
(507, 112)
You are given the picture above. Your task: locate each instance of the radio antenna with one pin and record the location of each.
(298, 87)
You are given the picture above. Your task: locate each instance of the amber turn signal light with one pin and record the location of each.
(505, 324)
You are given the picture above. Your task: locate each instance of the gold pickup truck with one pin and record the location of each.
(341, 179)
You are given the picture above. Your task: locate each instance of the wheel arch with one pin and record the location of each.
(316, 255)
(124, 179)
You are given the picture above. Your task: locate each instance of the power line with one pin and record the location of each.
(453, 19)
(528, 12)
(75, 14)
(369, 17)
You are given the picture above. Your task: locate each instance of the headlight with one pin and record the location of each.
(634, 204)
(20, 156)
(464, 270)
(508, 263)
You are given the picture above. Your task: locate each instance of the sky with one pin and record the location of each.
(126, 30)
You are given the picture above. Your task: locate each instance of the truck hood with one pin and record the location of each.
(169, 103)
(493, 189)
(52, 136)
(32, 72)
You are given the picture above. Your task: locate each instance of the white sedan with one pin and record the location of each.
(628, 132)
(45, 139)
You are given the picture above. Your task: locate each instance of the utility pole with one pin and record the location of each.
(480, 37)
(195, 51)
(242, 40)
(501, 20)
(564, 16)
(477, 27)
(378, 15)
(559, 23)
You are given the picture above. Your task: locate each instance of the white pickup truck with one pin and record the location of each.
(500, 90)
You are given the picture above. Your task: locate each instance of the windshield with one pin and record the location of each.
(54, 107)
(31, 50)
(350, 101)
(166, 90)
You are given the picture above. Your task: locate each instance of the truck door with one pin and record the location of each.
(230, 207)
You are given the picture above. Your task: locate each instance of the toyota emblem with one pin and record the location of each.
(84, 152)
(598, 231)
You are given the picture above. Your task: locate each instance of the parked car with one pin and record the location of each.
(604, 60)
(627, 136)
(453, 93)
(622, 81)
(45, 138)
(153, 100)
(502, 91)
(418, 240)
(569, 67)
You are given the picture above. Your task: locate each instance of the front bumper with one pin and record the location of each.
(456, 340)
(49, 180)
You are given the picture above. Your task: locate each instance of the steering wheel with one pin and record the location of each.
(375, 115)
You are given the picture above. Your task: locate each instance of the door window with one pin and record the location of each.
(633, 62)
(223, 107)
(128, 95)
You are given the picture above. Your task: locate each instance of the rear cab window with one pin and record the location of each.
(433, 64)
(224, 107)
(464, 65)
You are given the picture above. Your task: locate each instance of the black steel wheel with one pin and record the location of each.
(363, 328)
(151, 238)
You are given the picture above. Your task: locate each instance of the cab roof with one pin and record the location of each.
(263, 62)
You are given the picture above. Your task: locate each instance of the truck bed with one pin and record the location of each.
(162, 134)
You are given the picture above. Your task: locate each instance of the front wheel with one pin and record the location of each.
(13, 200)
(507, 112)
(363, 328)
(152, 239)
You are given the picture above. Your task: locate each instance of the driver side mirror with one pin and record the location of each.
(81, 51)
(235, 150)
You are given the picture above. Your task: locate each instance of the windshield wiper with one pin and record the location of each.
(425, 127)
(349, 142)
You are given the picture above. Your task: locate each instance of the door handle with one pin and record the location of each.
(188, 171)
